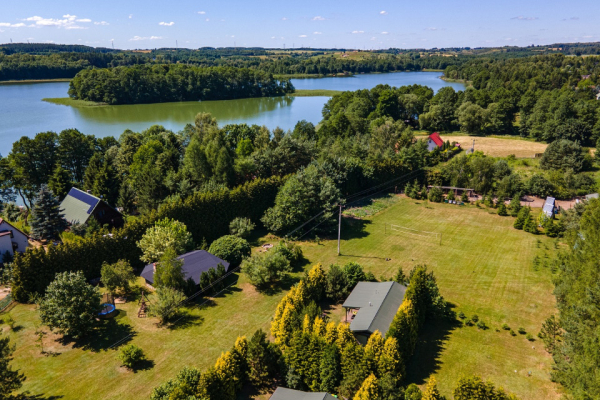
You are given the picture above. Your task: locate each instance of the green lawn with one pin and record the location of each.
(483, 266)
(89, 371)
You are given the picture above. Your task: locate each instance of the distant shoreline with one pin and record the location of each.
(35, 81)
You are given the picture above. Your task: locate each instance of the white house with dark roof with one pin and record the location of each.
(372, 307)
(549, 208)
(11, 239)
(289, 394)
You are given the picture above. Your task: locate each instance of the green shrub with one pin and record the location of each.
(232, 249)
(475, 318)
(462, 315)
(529, 337)
(481, 325)
(505, 327)
(512, 333)
(131, 356)
(522, 330)
(469, 322)
(241, 227)
(435, 194)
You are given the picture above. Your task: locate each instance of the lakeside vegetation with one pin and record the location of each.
(67, 101)
(315, 92)
(492, 274)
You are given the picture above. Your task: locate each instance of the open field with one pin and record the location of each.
(499, 146)
(87, 370)
(483, 267)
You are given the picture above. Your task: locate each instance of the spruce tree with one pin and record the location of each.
(502, 210)
(126, 199)
(369, 390)
(91, 172)
(330, 369)
(47, 220)
(106, 185)
(515, 205)
(60, 182)
(431, 391)
(261, 359)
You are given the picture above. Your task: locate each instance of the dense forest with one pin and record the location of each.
(164, 83)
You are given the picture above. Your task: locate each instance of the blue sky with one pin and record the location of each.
(352, 24)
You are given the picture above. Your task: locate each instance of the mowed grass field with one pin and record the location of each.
(484, 267)
(88, 370)
(499, 146)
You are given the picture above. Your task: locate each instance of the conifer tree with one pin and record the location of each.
(390, 360)
(106, 184)
(330, 369)
(331, 333)
(369, 389)
(316, 282)
(261, 360)
(502, 210)
(92, 171)
(313, 368)
(60, 182)
(318, 327)
(404, 328)
(431, 391)
(306, 324)
(344, 336)
(515, 205)
(373, 351)
(126, 199)
(47, 220)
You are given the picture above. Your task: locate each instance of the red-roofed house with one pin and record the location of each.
(435, 141)
(11, 239)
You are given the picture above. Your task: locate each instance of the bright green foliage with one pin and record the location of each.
(413, 392)
(167, 304)
(451, 195)
(354, 274)
(523, 216)
(47, 220)
(435, 194)
(131, 356)
(10, 379)
(265, 269)
(369, 389)
(564, 155)
(305, 194)
(241, 227)
(373, 351)
(390, 361)
(389, 388)
(502, 210)
(316, 281)
(70, 305)
(337, 283)
(182, 387)
(404, 329)
(60, 182)
(168, 272)
(515, 205)
(230, 248)
(474, 388)
(165, 234)
(464, 197)
(551, 334)
(261, 360)
(431, 391)
(117, 277)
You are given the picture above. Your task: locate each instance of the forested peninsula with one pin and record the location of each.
(173, 82)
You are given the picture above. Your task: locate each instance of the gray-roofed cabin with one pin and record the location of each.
(194, 264)
(290, 394)
(78, 206)
(372, 307)
(549, 207)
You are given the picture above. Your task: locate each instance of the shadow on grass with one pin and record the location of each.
(144, 365)
(185, 321)
(426, 358)
(29, 396)
(277, 287)
(353, 228)
(105, 333)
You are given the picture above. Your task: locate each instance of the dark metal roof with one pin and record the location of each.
(194, 264)
(289, 394)
(378, 303)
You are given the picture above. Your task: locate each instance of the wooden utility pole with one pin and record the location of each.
(339, 229)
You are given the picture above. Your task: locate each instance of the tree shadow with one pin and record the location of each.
(284, 284)
(29, 396)
(426, 358)
(106, 333)
(185, 321)
(143, 366)
(354, 228)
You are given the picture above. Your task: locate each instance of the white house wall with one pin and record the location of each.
(19, 238)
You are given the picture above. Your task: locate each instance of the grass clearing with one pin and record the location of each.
(483, 267)
(67, 101)
(315, 92)
(499, 146)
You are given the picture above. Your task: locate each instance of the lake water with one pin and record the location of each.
(23, 113)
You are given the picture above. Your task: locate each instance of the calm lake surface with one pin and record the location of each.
(23, 113)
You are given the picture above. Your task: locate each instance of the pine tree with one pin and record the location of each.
(91, 172)
(261, 360)
(60, 182)
(47, 221)
(126, 198)
(318, 327)
(404, 328)
(502, 210)
(369, 389)
(431, 391)
(306, 324)
(331, 332)
(515, 205)
(316, 282)
(522, 217)
(106, 184)
(330, 369)
(464, 197)
(391, 361)
(313, 367)
(373, 351)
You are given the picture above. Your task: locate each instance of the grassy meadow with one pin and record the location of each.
(483, 267)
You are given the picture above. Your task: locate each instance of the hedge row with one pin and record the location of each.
(207, 216)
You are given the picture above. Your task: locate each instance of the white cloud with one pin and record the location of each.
(317, 33)
(103, 23)
(130, 16)
(201, 12)
(373, 38)
(358, 31)
(284, 19)
(136, 38)
(9, 25)
(167, 23)
(207, 19)
(273, 37)
(522, 18)
(302, 36)
(431, 29)
(68, 21)
(318, 18)
(383, 12)
(384, 33)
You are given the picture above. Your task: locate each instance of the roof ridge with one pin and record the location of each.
(384, 298)
(14, 227)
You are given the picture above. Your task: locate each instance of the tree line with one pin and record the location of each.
(173, 82)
